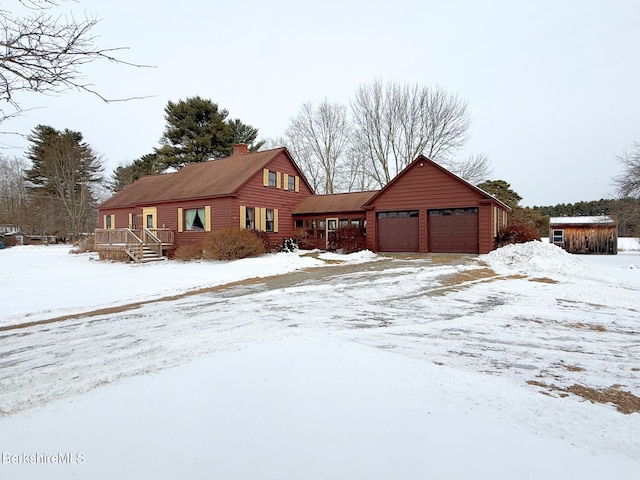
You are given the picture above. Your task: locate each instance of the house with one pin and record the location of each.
(258, 191)
(425, 208)
(596, 234)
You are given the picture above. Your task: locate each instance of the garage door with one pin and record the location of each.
(398, 231)
(453, 230)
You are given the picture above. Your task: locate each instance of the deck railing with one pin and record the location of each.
(116, 236)
(134, 242)
(164, 235)
(152, 241)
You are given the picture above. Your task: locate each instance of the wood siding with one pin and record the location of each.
(424, 186)
(587, 238)
(257, 194)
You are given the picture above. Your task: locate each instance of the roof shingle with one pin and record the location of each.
(214, 178)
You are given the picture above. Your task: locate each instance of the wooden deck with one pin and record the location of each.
(138, 245)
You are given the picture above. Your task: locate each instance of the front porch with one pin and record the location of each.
(124, 244)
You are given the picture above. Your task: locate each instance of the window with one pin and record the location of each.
(273, 178)
(250, 220)
(107, 221)
(291, 183)
(382, 215)
(321, 224)
(344, 222)
(299, 224)
(194, 218)
(149, 220)
(133, 221)
(558, 236)
(269, 224)
(355, 223)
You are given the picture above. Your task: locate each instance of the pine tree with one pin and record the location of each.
(61, 180)
(125, 175)
(198, 130)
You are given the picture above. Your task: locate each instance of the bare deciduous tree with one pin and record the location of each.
(628, 183)
(320, 137)
(43, 51)
(475, 169)
(393, 124)
(13, 193)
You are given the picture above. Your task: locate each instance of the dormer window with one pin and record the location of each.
(273, 178)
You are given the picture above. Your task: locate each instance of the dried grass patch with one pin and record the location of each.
(588, 326)
(543, 280)
(625, 402)
(574, 368)
(467, 276)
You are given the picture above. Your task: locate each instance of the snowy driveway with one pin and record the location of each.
(351, 367)
(541, 329)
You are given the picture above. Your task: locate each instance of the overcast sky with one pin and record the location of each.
(552, 86)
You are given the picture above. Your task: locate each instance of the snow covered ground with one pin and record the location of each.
(360, 366)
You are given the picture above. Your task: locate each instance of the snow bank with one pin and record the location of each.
(628, 244)
(352, 258)
(545, 259)
(535, 258)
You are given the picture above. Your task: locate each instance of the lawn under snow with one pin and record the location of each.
(380, 367)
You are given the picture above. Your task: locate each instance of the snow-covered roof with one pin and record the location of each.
(600, 220)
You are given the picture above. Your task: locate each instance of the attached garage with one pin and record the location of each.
(426, 208)
(399, 231)
(453, 230)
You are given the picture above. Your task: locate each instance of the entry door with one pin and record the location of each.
(331, 226)
(150, 217)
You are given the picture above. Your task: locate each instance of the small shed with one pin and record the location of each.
(11, 236)
(598, 234)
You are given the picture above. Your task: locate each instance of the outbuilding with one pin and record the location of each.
(586, 234)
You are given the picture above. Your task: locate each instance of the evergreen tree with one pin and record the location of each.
(61, 180)
(519, 215)
(502, 190)
(241, 133)
(125, 175)
(198, 130)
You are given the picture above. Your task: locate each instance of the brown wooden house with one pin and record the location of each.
(248, 190)
(597, 234)
(425, 208)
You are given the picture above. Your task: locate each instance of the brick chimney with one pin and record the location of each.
(240, 149)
